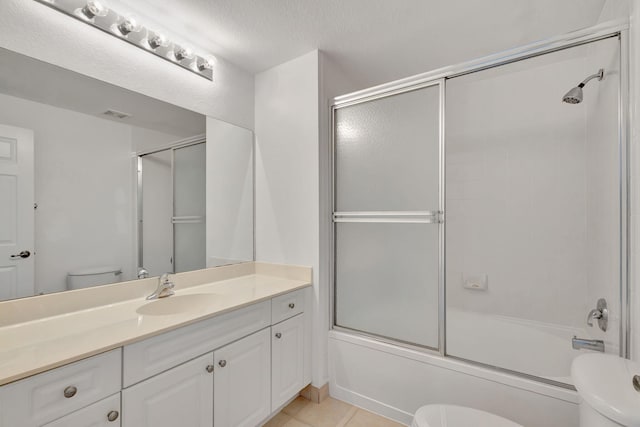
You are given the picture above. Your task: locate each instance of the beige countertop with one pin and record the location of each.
(33, 346)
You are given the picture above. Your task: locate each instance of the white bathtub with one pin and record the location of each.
(526, 346)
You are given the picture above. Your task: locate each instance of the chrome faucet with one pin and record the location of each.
(142, 273)
(165, 288)
(594, 345)
(601, 314)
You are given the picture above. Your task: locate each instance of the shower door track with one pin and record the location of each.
(603, 31)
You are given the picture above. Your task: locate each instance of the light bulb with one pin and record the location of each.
(156, 41)
(128, 25)
(205, 64)
(181, 53)
(91, 10)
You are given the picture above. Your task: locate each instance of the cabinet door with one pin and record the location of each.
(182, 396)
(242, 381)
(287, 350)
(105, 413)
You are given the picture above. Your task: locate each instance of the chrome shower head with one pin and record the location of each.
(575, 95)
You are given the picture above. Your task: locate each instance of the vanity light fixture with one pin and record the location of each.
(156, 41)
(91, 10)
(126, 28)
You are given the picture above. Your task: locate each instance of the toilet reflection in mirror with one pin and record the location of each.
(98, 182)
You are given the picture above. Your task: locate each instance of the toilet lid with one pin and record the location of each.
(457, 416)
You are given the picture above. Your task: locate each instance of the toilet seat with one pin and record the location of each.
(457, 416)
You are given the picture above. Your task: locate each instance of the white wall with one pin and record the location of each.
(287, 179)
(83, 187)
(38, 31)
(603, 183)
(229, 193)
(516, 190)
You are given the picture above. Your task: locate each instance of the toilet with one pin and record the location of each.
(609, 390)
(79, 279)
(457, 416)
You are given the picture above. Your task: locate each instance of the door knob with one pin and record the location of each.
(222, 363)
(23, 254)
(278, 335)
(112, 416)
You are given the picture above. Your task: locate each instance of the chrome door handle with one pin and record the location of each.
(23, 254)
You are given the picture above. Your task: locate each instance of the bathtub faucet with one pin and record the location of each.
(595, 345)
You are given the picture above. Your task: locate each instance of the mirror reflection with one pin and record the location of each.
(99, 184)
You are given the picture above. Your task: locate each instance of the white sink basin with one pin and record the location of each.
(178, 304)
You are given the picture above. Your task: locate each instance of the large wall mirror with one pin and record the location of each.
(98, 183)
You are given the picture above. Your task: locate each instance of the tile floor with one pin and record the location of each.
(330, 413)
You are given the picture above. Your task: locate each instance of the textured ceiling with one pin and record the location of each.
(372, 41)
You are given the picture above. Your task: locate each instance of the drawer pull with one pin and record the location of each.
(222, 363)
(291, 305)
(113, 415)
(70, 391)
(210, 368)
(278, 335)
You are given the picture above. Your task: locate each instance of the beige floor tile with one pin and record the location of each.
(364, 418)
(296, 405)
(329, 413)
(280, 420)
(296, 423)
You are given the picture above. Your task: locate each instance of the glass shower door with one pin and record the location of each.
(387, 216)
(189, 196)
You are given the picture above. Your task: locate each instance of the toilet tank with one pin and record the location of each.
(86, 278)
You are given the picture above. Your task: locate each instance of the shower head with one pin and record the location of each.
(575, 95)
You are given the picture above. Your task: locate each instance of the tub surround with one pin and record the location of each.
(44, 332)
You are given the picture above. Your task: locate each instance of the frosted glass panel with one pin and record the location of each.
(387, 153)
(533, 219)
(189, 180)
(157, 249)
(189, 246)
(387, 280)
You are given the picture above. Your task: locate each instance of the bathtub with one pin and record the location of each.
(526, 346)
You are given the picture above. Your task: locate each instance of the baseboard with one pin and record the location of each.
(371, 405)
(315, 394)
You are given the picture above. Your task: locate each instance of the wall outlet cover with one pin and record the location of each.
(475, 281)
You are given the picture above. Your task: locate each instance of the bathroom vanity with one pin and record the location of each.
(230, 348)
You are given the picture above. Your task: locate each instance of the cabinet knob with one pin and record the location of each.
(278, 335)
(113, 415)
(210, 368)
(291, 305)
(222, 363)
(70, 391)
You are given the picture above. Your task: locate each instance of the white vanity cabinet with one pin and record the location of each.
(43, 398)
(287, 363)
(182, 396)
(242, 381)
(105, 413)
(230, 370)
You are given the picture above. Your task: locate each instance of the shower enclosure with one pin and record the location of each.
(171, 209)
(478, 215)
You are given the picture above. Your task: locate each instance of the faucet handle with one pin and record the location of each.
(164, 278)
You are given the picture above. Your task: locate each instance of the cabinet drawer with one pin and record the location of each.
(150, 357)
(287, 305)
(105, 413)
(37, 400)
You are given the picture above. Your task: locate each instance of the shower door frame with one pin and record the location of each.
(607, 30)
(183, 143)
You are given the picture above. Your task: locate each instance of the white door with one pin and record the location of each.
(16, 213)
(182, 396)
(287, 361)
(242, 383)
